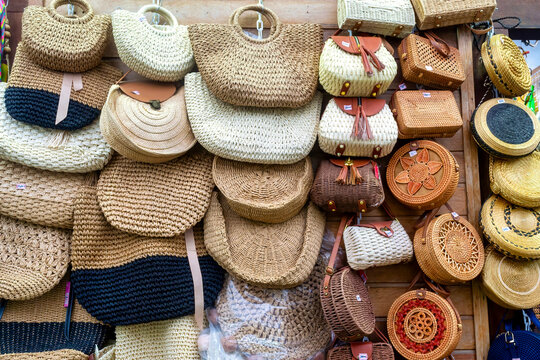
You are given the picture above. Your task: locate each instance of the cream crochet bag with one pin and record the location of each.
(158, 52)
(357, 127)
(355, 66)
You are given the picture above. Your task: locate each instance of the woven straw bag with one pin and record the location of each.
(34, 94)
(506, 66)
(156, 199)
(517, 180)
(512, 284)
(65, 43)
(422, 175)
(356, 66)
(249, 134)
(152, 133)
(267, 193)
(278, 71)
(157, 52)
(275, 256)
(33, 258)
(431, 61)
(357, 127)
(414, 111)
(380, 243)
(432, 14)
(384, 17)
(347, 185)
(505, 128)
(363, 350)
(513, 230)
(448, 248)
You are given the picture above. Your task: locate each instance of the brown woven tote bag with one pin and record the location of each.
(363, 350)
(278, 71)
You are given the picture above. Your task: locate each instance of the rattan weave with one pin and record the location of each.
(440, 13)
(381, 351)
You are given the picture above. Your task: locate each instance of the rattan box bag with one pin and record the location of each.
(363, 350)
(440, 13)
(157, 52)
(357, 127)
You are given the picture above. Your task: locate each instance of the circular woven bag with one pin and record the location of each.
(422, 175)
(513, 284)
(513, 230)
(517, 180)
(505, 128)
(506, 66)
(267, 193)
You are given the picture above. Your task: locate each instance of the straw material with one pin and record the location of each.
(157, 52)
(156, 199)
(48, 355)
(513, 284)
(506, 66)
(142, 133)
(385, 17)
(440, 13)
(267, 193)
(422, 175)
(513, 230)
(381, 351)
(517, 180)
(249, 134)
(505, 128)
(64, 43)
(268, 255)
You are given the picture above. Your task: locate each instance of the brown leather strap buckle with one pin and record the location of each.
(421, 294)
(376, 152)
(362, 206)
(332, 205)
(397, 30)
(340, 149)
(345, 88)
(375, 91)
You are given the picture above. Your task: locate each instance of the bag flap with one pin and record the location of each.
(384, 228)
(147, 91)
(348, 43)
(362, 350)
(356, 163)
(350, 105)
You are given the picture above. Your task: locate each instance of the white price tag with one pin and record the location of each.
(402, 86)
(500, 101)
(412, 153)
(426, 95)
(358, 298)
(346, 44)
(21, 186)
(363, 357)
(455, 214)
(506, 228)
(388, 232)
(348, 107)
(429, 68)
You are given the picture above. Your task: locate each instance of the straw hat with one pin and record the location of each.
(517, 180)
(33, 258)
(268, 255)
(513, 230)
(267, 193)
(511, 283)
(156, 199)
(139, 132)
(505, 128)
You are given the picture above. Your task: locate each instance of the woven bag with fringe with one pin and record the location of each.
(432, 14)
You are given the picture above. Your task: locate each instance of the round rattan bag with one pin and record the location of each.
(512, 229)
(422, 175)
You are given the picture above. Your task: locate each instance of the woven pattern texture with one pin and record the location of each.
(249, 134)
(432, 14)
(47, 355)
(381, 351)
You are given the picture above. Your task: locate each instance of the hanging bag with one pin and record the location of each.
(432, 14)
(363, 350)
(514, 343)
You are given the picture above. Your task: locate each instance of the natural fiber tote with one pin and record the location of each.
(363, 350)
(505, 128)
(156, 199)
(513, 230)
(380, 243)
(356, 66)
(422, 175)
(357, 127)
(512, 284)
(278, 71)
(65, 43)
(440, 13)
(157, 52)
(448, 248)
(517, 180)
(125, 279)
(414, 111)
(347, 185)
(275, 256)
(506, 66)
(43, 97)
(144, 129)
(431, 61)
(267, 193)
(33, 258)
(384, 17)
(249, 134)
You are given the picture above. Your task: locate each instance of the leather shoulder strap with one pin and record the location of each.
(331, 262)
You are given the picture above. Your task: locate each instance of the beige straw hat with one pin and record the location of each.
(511, 283)
(267, 193)
(268, 255)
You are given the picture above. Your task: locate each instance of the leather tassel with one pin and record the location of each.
(365, 129)
(356, 126)
(356, 178)
(365, 60)
(374, 59)
(342, 177)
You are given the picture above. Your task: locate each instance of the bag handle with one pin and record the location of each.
(481, 31)
(331, 262)
(171, 19)
(269, 14)
(83, 4)
(424, 220)
(439, 44)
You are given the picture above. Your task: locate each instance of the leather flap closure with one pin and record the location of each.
(344, 162)
(148, 91)
(384, 228)
(362, 350)
(350, 105)
(349, 44)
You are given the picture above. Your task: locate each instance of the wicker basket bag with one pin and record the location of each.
(422, 175)
(356, 66)
(363, 350)
(65, 43)
(448, 248)
(517, 180)
(432, 14)
(357, 127)
(414, 111)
